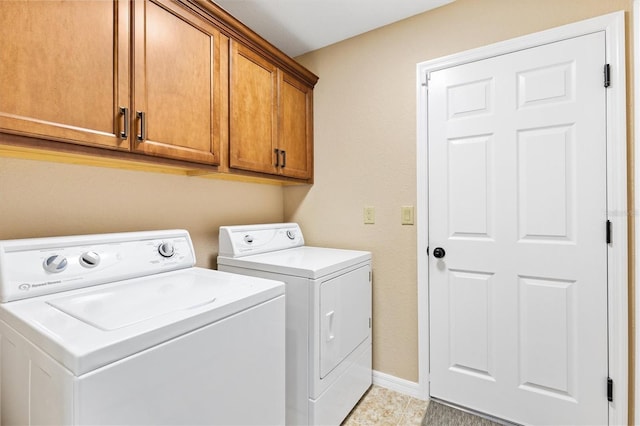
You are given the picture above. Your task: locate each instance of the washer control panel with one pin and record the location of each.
(244, 240)
(34, 267)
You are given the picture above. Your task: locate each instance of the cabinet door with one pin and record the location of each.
(253, 112)
(295, 127)
(64, 70)
(177, 77)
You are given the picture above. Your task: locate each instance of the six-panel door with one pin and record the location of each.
(517, 200)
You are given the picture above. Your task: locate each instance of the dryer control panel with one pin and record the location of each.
(244, 240)
(38, 266)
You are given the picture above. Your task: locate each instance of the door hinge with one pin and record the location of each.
(609, 389)
(427, 76)
(609, 232)
(369, 322)
(370, 276)
(607, 75)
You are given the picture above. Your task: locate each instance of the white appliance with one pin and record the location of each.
(328, 300)
(118, 329)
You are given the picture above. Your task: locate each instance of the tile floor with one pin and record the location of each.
(384, 407)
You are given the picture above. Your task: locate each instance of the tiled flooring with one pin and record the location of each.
(384, 407)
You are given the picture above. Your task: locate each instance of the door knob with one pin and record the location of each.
(439, 252)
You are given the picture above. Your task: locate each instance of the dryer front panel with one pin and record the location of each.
(345, 313)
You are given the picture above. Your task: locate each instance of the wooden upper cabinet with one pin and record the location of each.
(64, 70)
(177, 104)
(270, 117)
(177, 79)
(295, 137)
(253, 97)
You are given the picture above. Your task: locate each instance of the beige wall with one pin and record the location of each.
(39, 199)
(365, 138)
(365, 155)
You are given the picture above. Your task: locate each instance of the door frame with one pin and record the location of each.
(636, 266)
(614, 27)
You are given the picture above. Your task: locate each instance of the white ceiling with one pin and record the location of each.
(300, 26)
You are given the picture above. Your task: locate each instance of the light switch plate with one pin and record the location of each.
(369, 215)
(407, 215)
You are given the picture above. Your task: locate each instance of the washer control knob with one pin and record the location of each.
(291, 234)
(55, 263)
(166, 249)
(89, 259)
(248, 239)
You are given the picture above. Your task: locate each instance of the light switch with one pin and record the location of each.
(407, 215)
(369, 215)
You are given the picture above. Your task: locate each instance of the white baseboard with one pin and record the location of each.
(397, 384)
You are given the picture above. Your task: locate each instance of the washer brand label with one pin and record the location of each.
(27, 286)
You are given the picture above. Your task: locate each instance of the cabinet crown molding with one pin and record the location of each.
(235, 29)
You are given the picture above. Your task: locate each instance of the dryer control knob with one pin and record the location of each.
(55, 263)
(248, 239)
(291, 234)
(166, 249)
(89, 259)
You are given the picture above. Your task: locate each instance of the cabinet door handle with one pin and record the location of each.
(143, 126)
(125, 112)
(277, 152)
(284, 159)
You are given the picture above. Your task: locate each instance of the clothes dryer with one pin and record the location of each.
(328, 315)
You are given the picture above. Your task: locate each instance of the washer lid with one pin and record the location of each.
(91, 327)
(305, 261)
(111, 309)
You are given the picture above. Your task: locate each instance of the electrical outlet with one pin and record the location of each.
(407, 215)
(369, 215)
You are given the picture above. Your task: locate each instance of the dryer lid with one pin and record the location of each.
(306, 262)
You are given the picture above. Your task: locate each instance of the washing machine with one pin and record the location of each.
(123, 329)
(328, 315)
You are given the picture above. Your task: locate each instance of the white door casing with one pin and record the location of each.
(636, 265)
(528, 222)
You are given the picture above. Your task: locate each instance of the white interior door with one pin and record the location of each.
(517, 201)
